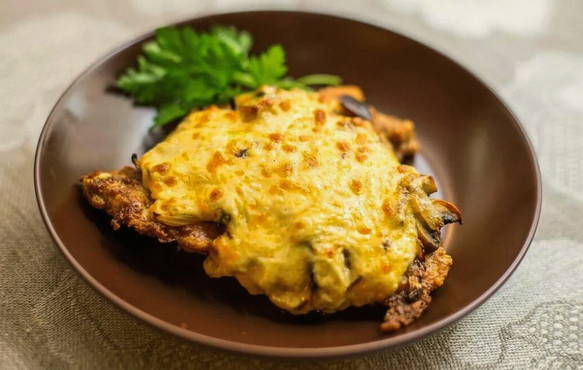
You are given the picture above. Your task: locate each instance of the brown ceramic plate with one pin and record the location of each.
(471, 143)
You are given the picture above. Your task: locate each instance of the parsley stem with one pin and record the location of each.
(244, 79)
(320, 79)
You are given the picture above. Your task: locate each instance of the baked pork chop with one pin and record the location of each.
(297, 195)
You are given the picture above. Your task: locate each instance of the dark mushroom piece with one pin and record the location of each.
(241, 153)
(449, 212)
(431, 214)
(429, 223)
(430, 239)
(356, 107)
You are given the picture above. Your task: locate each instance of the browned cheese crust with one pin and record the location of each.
(122, 195)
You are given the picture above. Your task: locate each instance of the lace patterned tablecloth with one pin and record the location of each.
(530, 51)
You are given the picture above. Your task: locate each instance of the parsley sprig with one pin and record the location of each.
(183, 69)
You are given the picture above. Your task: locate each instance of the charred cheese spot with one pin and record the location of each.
(170, 181)
(387, 209)
(284, 170)
(161, 168)
(288, 148)
(361, 157)
(249, 113)
(343, 146)
(285, 105)
(320, 117)
(275, 137)
(203, 119)
(356, 186)
(361, 138)
(310, 159)
(215, 195)
(216, 160)
(364, 230)
(289, 186)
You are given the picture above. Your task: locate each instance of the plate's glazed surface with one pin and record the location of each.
(471, 143)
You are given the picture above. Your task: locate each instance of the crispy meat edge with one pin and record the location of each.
(423, 276)
(400, 133)
(122, 195)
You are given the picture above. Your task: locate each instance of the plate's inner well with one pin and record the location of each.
(470, 143)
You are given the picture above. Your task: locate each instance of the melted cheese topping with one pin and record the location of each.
(310, 198)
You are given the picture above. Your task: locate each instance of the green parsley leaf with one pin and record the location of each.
(182, 69)
(269, 67)
(168, 113)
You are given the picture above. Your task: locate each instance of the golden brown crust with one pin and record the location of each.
(414, 294)
(122, 195)
(399, 132)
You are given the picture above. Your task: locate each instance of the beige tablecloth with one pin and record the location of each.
(530, 51)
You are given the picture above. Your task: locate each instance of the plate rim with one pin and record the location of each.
(274, 351)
